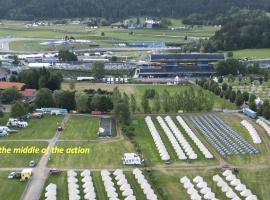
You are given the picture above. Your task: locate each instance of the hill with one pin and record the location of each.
(115, 9)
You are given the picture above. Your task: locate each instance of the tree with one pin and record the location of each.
(81, 102)
(64, 99)
(66, 55)
(10, 94)
(133, 103)
(145, 104)
(13, 78)
(224, 86)
(16, 60)
(232, 96)
(44, 98)
(251, 102)
(230, 54)
(122, 112)
(245, 96)
(18, 109)
(156, 103)
(72, 85)
(98, 70)
(102, 34)
(239, 100)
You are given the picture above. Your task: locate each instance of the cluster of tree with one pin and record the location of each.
(236, 67)
(67, 56)
(40, 78)
(83, 102)
(242, 29)
(224, 91)
(10, 95)
(187, 100)
(38, 9)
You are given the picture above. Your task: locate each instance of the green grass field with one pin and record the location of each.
(252, 53)
(81, 128)
(102, 155)
(10, 189)
(38, 129)
(20, 160)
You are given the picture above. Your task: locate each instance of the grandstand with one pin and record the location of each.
(182, 65)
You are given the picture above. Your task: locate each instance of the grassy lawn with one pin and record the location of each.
(253, 161)
(106, 154)
(10, 189)
(19, 160)
(81, 127)
(38, 129)
(252, 53)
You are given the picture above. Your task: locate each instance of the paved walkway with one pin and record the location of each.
(35, 186)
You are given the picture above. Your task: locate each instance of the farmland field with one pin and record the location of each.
(36, 129)
(10, 189)
(81, 128)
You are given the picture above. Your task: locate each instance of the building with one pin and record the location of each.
(27, 94)
(6, 85)
(181, 65)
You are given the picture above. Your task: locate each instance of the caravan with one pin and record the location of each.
(13, 122)
(132, 159)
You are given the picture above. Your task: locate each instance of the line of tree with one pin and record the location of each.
(225, 91)
(116, 9)
(187, 100)
(235, 67)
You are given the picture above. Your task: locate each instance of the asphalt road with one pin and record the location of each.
(35, 185)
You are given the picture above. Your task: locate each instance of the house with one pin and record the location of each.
(150, 23)
(6, 85)
(27, 94)
(117, 25)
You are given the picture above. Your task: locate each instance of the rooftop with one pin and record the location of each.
(5, 85)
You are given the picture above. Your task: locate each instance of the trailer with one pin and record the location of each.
(250, 113)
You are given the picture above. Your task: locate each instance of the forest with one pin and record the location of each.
(120, 9)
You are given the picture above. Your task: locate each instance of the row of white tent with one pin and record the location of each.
(73, 187)
(181, 139)
(204, 191)
(194, 138)
(123, 184)
(88, 185)
(146, 187)
(109, 185)
(180, 153)
(157, 140)
(252, 131)
(50, 193)
(264, 125)
(225, 188)
(239, 186)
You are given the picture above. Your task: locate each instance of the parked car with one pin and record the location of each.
(11, 175)
(59, 128)
(32, 163)
(37, 115)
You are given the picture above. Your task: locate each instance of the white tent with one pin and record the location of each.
(85, 173)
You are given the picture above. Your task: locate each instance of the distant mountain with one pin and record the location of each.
(116, 9)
